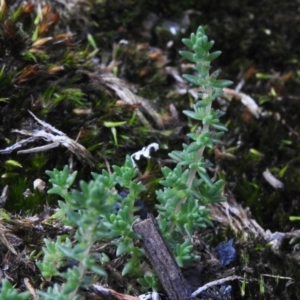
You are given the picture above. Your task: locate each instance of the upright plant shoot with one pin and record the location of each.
(188, 188)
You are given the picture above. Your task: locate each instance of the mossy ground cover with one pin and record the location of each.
(70, 64)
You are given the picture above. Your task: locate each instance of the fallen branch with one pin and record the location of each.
(162, 260)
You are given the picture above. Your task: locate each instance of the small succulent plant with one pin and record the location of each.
(187, 189)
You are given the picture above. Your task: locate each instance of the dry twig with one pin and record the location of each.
(48, 133)
(162, 260)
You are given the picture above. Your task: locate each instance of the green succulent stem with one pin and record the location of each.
(82, 267)
(192, 172)
(188, 188)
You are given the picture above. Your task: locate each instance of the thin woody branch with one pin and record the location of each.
(49, 134)
(162, 260)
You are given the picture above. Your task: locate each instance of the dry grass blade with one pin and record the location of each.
(3, 196)
(246, 100)
(3, 232)
(125, 93)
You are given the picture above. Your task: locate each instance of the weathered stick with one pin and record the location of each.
(162, 260)
(213, 283)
